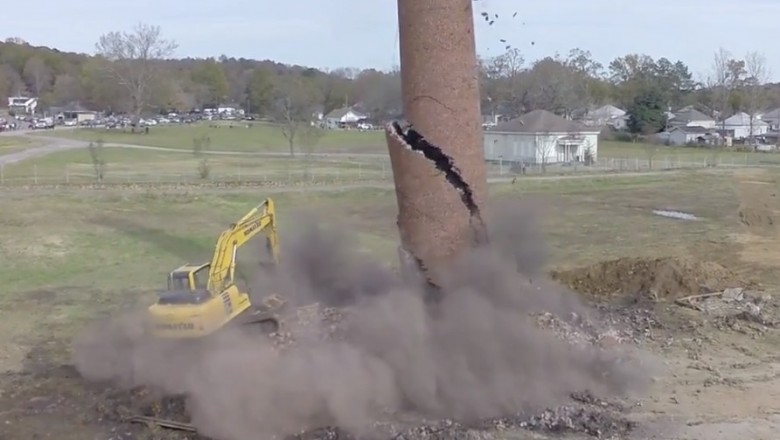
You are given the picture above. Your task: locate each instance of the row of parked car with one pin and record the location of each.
(124, 121)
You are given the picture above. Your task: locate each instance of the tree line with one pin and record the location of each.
(135, 71)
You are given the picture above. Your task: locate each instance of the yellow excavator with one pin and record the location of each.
(201, 299)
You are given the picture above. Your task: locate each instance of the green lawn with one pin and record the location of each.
(254, 137)
(661, 154)
(136, 165)
(263, 137)
(90, 251)
(14, 144)
(69, 257)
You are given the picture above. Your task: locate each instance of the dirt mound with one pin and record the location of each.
(652, 278)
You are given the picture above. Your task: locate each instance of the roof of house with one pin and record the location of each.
(341, 112)
(772, 114)
(691, 114)
(607, 111)
(693, 129)
(743, 119)
(69, 107)
(541, 121)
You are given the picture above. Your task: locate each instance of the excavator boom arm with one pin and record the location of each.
(223, 264)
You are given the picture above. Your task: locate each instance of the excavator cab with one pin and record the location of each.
(189, 278)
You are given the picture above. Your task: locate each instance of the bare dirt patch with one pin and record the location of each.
(650, 278)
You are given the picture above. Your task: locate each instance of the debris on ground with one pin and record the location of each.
(650, 278)
(585, 414)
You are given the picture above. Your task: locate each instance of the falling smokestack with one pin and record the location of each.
(436, 153)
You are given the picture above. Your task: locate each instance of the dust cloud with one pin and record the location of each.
(478, 353)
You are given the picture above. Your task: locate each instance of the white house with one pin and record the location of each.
(690, 117)
(22, 104)
(607, 115)
(739, 126)
(691, 135)
(341, 117)
(540, 137)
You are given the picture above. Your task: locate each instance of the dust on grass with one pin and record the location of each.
(478, 354)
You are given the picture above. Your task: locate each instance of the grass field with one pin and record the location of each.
(71, 256)
(254, 137)
(660, 154)
(137, 165)
(90, 247)
(268, 138)
(13, 144)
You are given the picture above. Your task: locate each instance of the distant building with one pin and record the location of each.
(740, 126)
(72, 112)
(343, 117)
(692, 135)
(772, 118)
(607, 115)
(22, 104)
(541, 137)
(690, 117)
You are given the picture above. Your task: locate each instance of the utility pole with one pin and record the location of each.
(436, 153)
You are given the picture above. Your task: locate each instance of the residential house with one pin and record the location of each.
(72, 112)
(742, 126)
(607, 115)
(22, 104)
(343, 117)
(772, 118)
(691, 135)
(541, 137)
(690, 117)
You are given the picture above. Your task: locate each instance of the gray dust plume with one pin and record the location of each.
(477, 354)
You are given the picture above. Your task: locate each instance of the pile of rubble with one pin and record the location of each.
(735, 304)
(585, 415)
(608, 326)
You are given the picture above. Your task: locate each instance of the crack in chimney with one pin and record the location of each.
(443, 162)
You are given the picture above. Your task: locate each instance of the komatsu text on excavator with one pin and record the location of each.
(202, 299)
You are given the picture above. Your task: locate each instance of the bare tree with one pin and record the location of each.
(201, 144)
(718, 81)
(544, 150)
(96, 154)
(502, 76)
(756, 75)
(727, 74)
(308, 138)
(133, 61)
(295, 104)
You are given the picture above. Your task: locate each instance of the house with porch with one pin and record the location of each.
(23, 105)
(343, 117)
(541, 137)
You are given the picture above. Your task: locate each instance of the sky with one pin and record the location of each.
(361, 34)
